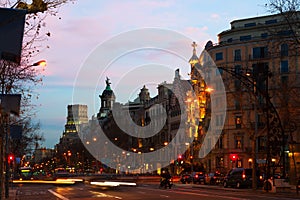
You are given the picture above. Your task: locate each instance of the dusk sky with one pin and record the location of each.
(86, 24)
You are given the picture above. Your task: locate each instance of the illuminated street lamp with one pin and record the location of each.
(41, 63)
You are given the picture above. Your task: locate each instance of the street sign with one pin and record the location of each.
(10, 103)
(11, 33)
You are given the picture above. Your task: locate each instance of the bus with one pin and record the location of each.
(25, 173)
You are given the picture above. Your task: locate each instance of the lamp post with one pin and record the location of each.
(9, 104)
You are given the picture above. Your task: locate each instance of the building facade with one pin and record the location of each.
(258, 59)
(70, 151)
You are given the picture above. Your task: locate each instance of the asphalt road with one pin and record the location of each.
(141, 192)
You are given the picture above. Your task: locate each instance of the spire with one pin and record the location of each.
(194, 59)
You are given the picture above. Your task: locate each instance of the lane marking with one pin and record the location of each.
(58, 195)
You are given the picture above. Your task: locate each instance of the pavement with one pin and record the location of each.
(286, 193)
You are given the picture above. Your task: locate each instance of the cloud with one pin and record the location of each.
(215, 16)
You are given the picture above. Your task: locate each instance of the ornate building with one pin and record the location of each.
(258, 59)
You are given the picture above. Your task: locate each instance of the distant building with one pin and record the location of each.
(70, 149)
(43, 153)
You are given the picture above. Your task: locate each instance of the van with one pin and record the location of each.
(238, 178)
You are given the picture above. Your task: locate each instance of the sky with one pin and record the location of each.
(94, 39)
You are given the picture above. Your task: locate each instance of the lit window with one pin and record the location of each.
(238, 142)
(238, 122)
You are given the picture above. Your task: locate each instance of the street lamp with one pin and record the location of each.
(41, 63)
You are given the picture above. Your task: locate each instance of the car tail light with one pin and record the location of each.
(196, 176)
(243, 175)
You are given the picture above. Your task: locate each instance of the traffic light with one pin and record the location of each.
(233, 157)
(180, 160)
(11, 158)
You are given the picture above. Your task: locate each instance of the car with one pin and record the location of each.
(240, 177)
(199, 177)
(186, 178)
(214, 178)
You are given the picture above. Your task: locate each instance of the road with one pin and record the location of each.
(141, 192)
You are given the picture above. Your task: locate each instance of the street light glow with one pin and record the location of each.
(209, 90)
(41, 63)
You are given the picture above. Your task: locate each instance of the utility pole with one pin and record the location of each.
(254, 177)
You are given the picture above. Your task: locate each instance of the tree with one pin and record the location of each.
(23, 78)
(287, 97)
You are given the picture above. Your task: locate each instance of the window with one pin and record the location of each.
(250, 24)
(238, 122)
(219, 144)
(245, 38)
(237, 85)
(219, 71)
(285, 33)
(284, 66)
(239, 163)
(238, 69)
(260, 52)
(261, 143)
(219, 56)
(284, 80)
(237, 104)
(219, 120)
(264, 35)
(284, 50)
(219, 161)
(271, 21)
(229, 40)
(238, 142)
(237, 55)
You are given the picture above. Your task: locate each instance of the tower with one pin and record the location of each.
(144, 95)
(107, 100)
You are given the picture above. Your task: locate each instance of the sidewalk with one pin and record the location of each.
(13, 194)
(291, 193)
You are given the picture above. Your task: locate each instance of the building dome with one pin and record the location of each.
(108, 92)
(107, 100)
